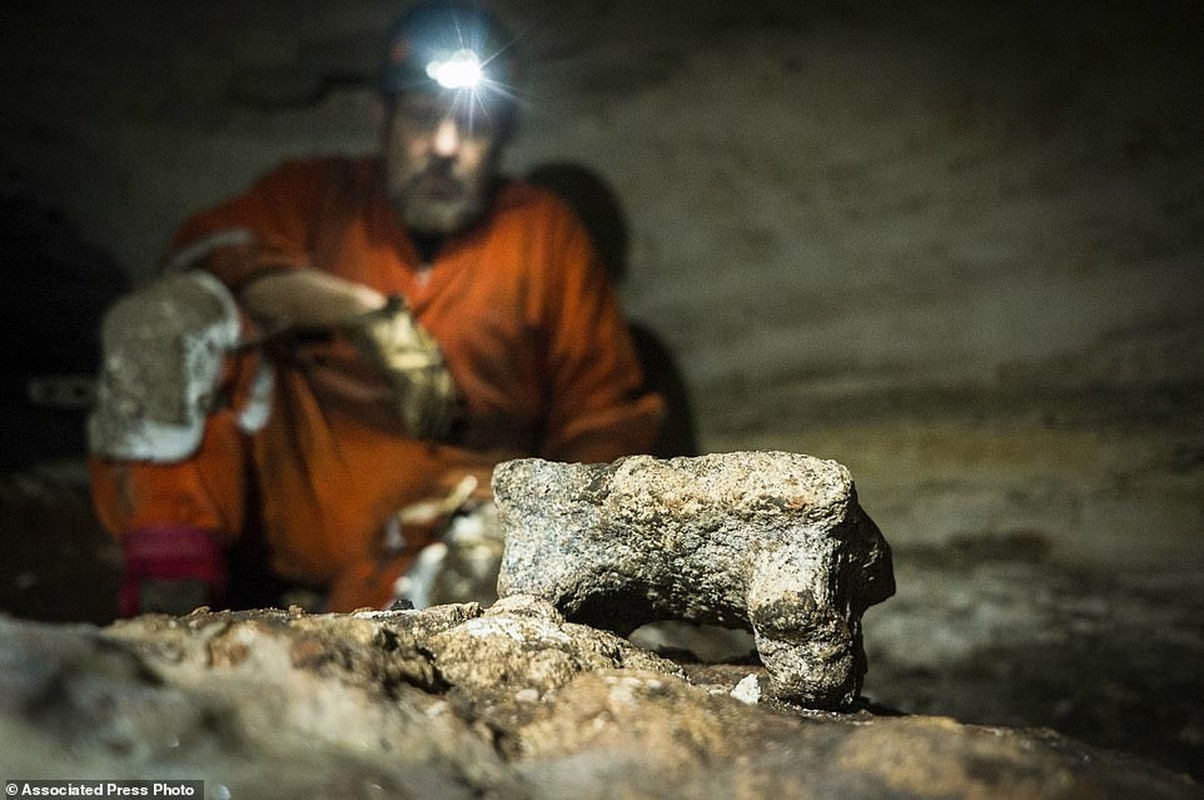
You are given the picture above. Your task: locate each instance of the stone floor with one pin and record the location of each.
(1050, 572)
(1049, 553)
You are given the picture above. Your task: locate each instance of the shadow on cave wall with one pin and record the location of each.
(58, 564)
(599, 209)
(56, 286)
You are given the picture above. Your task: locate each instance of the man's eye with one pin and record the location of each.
(471, 123)
(478, 128)
(426, 118)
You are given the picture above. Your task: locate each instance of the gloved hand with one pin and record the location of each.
(382, 328)
(171, 569)
(423, 390)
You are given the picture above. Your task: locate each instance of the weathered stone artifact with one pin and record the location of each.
(772, 542)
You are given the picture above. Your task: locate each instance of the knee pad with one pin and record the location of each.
(164, 348)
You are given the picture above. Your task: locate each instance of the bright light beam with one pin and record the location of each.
(461, 71)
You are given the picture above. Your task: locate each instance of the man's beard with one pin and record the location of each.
(436, 201)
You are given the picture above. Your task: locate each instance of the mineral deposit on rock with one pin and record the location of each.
(772, 542)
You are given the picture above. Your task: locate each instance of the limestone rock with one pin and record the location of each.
(456, 702)
(772, 542)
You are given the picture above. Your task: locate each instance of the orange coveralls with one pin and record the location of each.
(531, 331)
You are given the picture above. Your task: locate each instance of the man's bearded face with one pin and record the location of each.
(439, 157)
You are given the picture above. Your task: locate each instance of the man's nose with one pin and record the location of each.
(446, 141)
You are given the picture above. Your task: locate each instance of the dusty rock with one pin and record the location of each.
(768, 541)
(164, 348)
(401, 698)
(456, 702)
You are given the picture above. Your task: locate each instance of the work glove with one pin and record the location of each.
(171, 569)
(423, 391)
(290, 302)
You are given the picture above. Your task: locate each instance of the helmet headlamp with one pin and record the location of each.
(462, 70)
(451, 45)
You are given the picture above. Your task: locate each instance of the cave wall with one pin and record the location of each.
(829, 212)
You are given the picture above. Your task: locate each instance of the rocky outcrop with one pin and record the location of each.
(771, 542)
(456, 701)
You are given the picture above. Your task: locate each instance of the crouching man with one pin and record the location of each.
(336, 359)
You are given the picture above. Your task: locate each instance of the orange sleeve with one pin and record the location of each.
(597, 411)
(267, 227)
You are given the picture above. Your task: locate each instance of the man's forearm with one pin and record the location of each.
(305, 298)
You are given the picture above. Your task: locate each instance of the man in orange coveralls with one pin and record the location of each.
(351, 338)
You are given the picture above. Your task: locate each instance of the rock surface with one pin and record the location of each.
(457, 702)
(876, 196)
(767, 541)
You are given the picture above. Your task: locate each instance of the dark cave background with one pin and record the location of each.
(957, 247)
